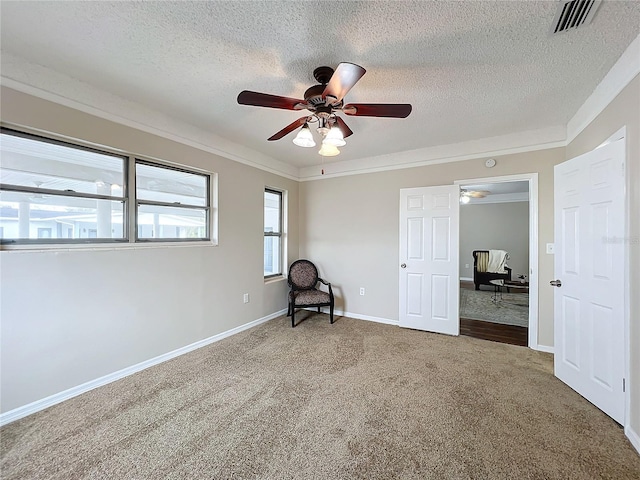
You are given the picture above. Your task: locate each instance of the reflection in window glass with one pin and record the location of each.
(28, 216)
(161, 222)
(166, 185)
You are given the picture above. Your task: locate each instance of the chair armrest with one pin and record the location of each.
(327, 284)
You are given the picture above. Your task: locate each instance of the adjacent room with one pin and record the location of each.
(323, 239)
(494, 294)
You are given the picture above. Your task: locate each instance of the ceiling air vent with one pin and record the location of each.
(573, 14)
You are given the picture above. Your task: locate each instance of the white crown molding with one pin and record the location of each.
(620, 75)
(528, 141)
(33, 407)
(45, 83)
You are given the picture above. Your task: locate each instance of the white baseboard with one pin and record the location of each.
(467, 279)
(543, 348)
(633, 437)
(51, 400)
(357, 316)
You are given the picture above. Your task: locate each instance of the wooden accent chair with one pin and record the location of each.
(303, 279)
(483, 278)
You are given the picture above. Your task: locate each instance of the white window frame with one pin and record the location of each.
(206, 208)
(281, 234)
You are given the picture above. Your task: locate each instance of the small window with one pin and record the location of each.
(172, 203)
(272, 233)
(55, 192)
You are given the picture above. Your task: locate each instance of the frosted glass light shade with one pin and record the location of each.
(464, 199)
(328, 150)
(304, 138)
(334, 137)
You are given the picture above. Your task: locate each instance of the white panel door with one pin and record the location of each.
(589, 260)
(429, 284)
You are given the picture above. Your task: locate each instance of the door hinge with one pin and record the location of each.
(623, 386)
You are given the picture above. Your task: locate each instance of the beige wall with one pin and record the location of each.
(69, 317)
(350, 227)
(501, 226)
(624, 111)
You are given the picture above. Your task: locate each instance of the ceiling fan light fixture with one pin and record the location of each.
(464, 198)
(328, 150)
(335, 137)
(304, 138)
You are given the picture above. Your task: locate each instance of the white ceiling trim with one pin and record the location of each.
(48, 84)
(529, 141)
(620, 75)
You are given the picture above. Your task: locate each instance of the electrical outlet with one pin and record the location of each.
(466, 265)
(551, 248)
(361, 290)
(245, 298)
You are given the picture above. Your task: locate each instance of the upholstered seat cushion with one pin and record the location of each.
(310, 297)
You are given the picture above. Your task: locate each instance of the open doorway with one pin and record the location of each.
(495, 264)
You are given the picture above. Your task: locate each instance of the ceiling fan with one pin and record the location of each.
(323, 101)
(466, 195)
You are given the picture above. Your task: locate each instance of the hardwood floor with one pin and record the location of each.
(494, 332)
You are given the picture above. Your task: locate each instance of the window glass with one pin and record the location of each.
(163, 222)
(35, 163)
(29, 216)
(272, 233)
(272, 207)
(54, 192)
(272, 260)
(173, 204)
(166, 185)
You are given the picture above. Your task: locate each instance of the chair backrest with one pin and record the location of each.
(303, 275)
(481, 260)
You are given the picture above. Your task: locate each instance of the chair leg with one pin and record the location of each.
(293, 316)
(318, 309)
(289, 310)
(331, 312)
(477, 286)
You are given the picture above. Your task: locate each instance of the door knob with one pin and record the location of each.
(555, 283)
(404, 265)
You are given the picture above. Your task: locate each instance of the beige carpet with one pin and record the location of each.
(351, 400)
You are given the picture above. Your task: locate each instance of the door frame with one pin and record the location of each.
(532, 178)
(621, 135)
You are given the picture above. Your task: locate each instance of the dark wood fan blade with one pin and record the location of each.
(342, 80)
(346, 131)
(394, 110)
(257, 99)
(288, 129)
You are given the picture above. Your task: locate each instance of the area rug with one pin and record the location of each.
(512, 309)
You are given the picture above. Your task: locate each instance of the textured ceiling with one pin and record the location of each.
(472, 70)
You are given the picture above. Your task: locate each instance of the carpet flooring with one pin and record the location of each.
(511, 309)
(353, 400)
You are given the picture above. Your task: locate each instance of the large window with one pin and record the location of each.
(54, 192)
(272, 233)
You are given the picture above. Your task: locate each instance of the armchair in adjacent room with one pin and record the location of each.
(303, 280)
(480, 265)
